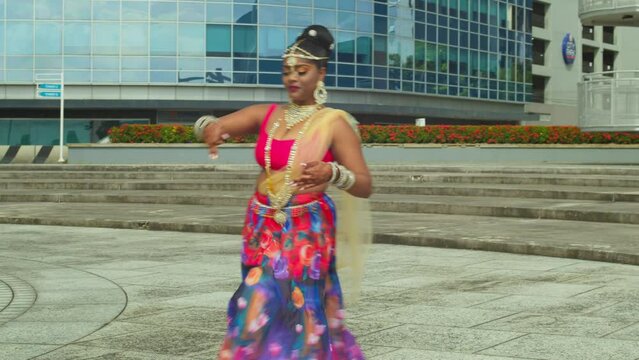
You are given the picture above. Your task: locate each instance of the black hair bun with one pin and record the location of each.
(319, 35)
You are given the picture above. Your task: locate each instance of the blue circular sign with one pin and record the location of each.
(569, 49)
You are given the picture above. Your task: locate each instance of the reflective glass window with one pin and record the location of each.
(19, 62)
(192, 63)
(381, 9)
(463, 61)
(77, 62)
(1, 44)
(135, 76)
(2, 9)
(380, 49)
(299, 16)
(407, 48)
(244, 78)
(431, 33)
(20, 75)
(272, 41)
(163, 39)
(327, 18)
(365, 6)
(106, 38)
(106, 10)
(77, 10)
(77, 77)
(276, 2)
(21, 35)
(224, 65)
(346, 5)
(345, 46)
(19, 9)
(365, 23)
(77, 38)
(364, 70)
(135, 62)
(273, 15)
(219, 13)
(164, 10)
(274, 66)
(270, 79)
(326, 4)
(394, 51)
(136, 41)
(135, 10)
(48, 62)
(48, 38)
(244, 41)
(381, 25)
(245, 14)
(48, 9)
(301, 2)
(346, 20)
(191, 11)
(163, 63)
(196, 77)
(106, 62)
(431, 5)
(192, 39)
(165, 77)
(420, 55)
(218, 40)
(431, 57)
(244, 65)
(106, 77)
(364, 50)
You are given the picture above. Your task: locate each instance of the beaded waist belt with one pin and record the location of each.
(280, 215)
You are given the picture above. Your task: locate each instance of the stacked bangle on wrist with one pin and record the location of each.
(201, 124)
(342, 178)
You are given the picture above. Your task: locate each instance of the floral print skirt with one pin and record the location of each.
(289, 305)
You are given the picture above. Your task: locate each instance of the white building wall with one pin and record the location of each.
(562, 17)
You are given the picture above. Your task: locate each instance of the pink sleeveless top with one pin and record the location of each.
(280, 149)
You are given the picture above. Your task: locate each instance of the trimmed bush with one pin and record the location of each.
(404, 134)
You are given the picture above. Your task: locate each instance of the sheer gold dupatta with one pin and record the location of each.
(354, 230)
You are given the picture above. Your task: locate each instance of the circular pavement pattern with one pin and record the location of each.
(16, 297)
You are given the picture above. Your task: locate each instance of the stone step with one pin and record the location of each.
(394, 177)
(447, 189)
(593, 241)
(575, 210)
(629, 170)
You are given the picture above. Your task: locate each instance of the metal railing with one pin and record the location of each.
(609, 101)
(598, 5)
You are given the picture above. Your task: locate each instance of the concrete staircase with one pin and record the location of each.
(587, 212)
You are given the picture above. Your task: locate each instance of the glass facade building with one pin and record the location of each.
(470, 49)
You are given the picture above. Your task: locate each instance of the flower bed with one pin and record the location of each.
(404, 134)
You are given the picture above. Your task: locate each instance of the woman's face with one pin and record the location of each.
(301, 79)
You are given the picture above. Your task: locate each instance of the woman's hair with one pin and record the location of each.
(317, 40)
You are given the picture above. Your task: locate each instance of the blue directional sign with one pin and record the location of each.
(54, 94)
(50, 86)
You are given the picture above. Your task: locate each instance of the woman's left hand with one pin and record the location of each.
(314, 173)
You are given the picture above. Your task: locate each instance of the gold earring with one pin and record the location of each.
(320, 94)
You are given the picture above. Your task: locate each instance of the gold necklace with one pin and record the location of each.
(295, 114)
(281, 198)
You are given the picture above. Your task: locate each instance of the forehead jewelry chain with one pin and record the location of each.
(281, 198)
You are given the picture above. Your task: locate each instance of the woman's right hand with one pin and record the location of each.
(214, 136)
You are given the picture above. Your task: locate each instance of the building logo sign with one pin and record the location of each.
(569, 49)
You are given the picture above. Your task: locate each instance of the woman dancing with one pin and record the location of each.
(290, 304)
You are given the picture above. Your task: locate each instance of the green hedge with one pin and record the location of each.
(403, 134)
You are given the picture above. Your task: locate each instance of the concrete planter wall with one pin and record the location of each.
(375, 154)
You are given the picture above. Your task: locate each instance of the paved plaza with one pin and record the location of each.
(89, 293)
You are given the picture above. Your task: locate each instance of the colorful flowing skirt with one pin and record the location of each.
(289, 305)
